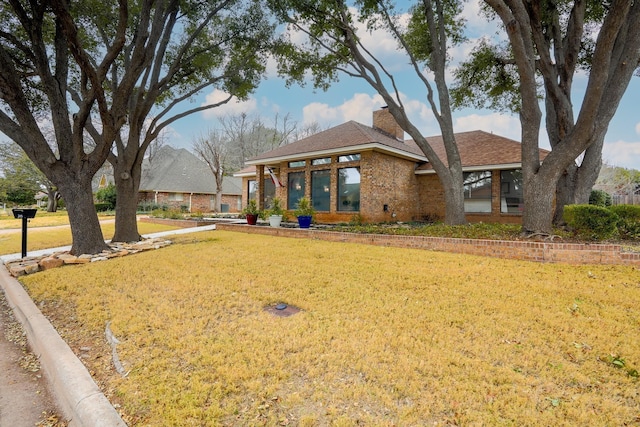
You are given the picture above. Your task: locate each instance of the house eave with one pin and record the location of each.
(504, 166)
(274, 161)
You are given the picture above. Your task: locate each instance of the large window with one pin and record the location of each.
(511, 199)
(477, 192)
(320, 190)
(349, 189)
(296, 188)
(253, 189)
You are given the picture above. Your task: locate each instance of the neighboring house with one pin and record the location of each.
(177, 178)
(353, 169)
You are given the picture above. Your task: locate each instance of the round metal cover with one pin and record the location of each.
(281, 306)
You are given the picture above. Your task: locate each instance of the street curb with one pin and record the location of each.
(78, 396)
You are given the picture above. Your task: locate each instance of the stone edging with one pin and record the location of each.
(570, 253)
(30, 265)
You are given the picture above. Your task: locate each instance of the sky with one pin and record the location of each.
(353, 99)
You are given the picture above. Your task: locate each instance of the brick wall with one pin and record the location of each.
(431, 196)
(389, 181)
(570, 253)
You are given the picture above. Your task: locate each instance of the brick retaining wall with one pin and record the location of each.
(571, 253)
(182, 223)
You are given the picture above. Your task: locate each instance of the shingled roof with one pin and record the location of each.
(479, 149)
(179, 171)
(345, 138)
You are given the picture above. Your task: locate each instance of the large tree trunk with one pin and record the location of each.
(575, 185)
(127, 181)
(538, 204)
(218, 207)
(453, 198)
(126, 227)
(83, 218)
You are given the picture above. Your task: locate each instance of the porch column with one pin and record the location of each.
(260, 185)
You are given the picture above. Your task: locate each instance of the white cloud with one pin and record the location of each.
(638, 128)
(358, 108)
(233, 107)
(622, 153)
(477, 23)
(500, 124)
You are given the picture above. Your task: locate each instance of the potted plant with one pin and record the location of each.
(251, 212)
(304, 211)
(276, 212)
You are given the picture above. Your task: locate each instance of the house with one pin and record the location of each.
(177, 178)
(372, 172)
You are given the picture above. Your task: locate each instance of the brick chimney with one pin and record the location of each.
(384, 121)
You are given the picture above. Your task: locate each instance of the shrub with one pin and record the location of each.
(103, 207)
(168, 213)
(600, 198)
(107, 195)
(147, 206)
(591, 221)
(629, 220)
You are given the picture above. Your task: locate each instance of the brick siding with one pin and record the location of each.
(199, 202)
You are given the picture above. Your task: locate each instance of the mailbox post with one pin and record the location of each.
(25, 215)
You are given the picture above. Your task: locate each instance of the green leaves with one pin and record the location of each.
(489, 79)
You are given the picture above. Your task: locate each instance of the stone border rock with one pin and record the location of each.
(32, 265)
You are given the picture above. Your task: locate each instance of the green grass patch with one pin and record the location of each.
(386, 336)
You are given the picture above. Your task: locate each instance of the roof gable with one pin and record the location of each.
(179, 171)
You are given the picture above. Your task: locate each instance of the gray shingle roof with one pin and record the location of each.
(179, 171)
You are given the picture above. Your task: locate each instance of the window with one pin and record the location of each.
(477, 192)
(176, 197)
(296, 188)
(320, 190)
(511, 198)
(349, 189)
(269, 192)
(349, 158)
(323, 161)
(298, 164)
(252, 189)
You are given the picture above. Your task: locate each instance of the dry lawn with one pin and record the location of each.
(386, 336)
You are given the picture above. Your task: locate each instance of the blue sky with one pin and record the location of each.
(352, 99)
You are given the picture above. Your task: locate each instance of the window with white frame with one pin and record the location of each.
(477, 192)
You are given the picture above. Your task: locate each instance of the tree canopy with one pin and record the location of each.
(333, 43)
(549, 43)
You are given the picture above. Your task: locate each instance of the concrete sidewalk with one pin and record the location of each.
(77, 395)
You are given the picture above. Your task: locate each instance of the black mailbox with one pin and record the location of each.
(24, 213)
